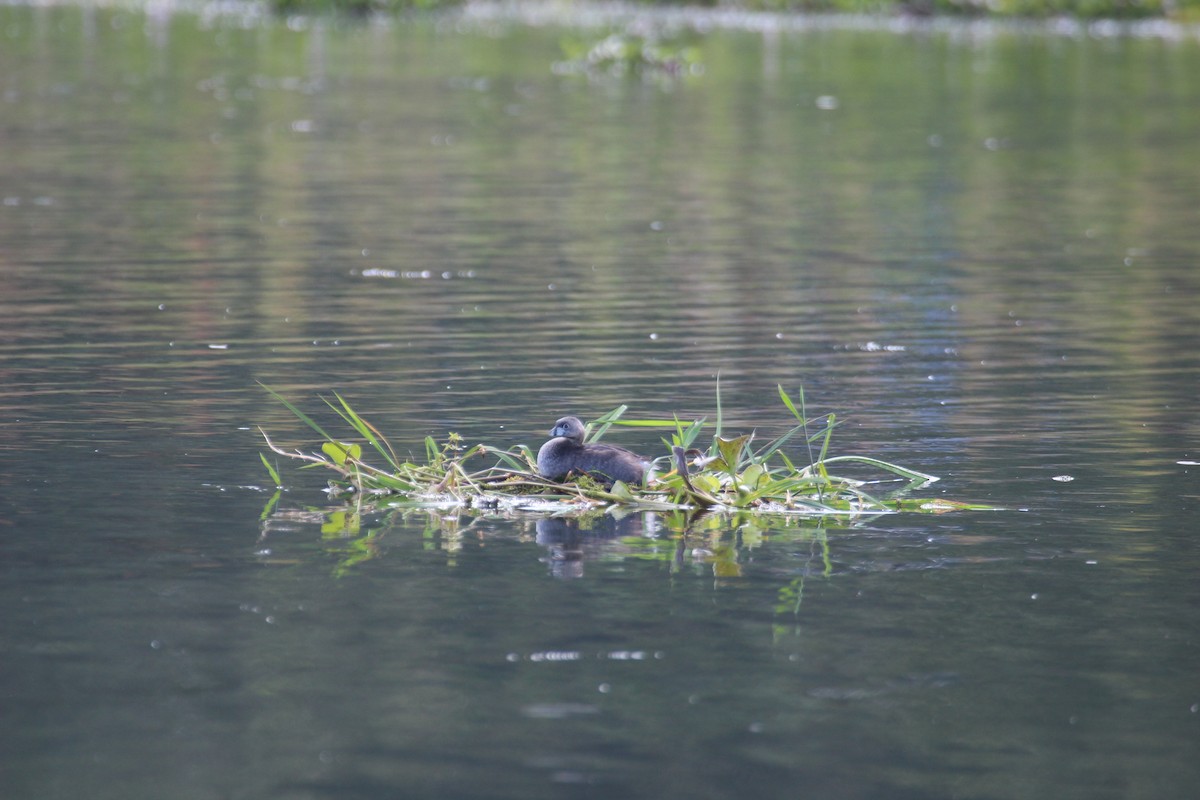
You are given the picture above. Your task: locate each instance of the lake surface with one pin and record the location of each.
(980, 248)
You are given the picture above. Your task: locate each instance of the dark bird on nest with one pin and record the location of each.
(566, 454)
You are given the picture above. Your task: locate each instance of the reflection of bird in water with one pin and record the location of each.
(566, 453)
(569, 546)
(565, 545)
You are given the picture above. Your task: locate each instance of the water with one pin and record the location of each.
(978, 250)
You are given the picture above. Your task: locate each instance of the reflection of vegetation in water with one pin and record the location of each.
(627, 52)
(791, 594)
(718, 542)
(352, 542)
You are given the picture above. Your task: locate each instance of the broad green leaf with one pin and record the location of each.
(751, 476)
(620, 490)
(340, 451)
(731, 450)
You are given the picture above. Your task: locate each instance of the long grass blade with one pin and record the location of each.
(787, 401)
(365, 430)
(604, 422)
(777, 443)
(905, 472)
(274, 473)
(720, 416)
(307, 420)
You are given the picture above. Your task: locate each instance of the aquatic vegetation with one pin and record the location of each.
(625, 52)
(732, 473)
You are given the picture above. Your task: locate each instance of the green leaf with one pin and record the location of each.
(685, 437)
(364, 429)
(274, 473)
(770, 449)
(787, 401)
(911, 474)
(720, 416)
(731, 450)
(752, 476)
(621, 491)
(341, 451)
(604, 422)
(718, 464)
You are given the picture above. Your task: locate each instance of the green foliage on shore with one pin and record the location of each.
(1084, 9)
(357, 6)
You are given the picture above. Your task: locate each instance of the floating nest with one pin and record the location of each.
(729, 474)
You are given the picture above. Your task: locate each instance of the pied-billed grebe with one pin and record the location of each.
(566, 453)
